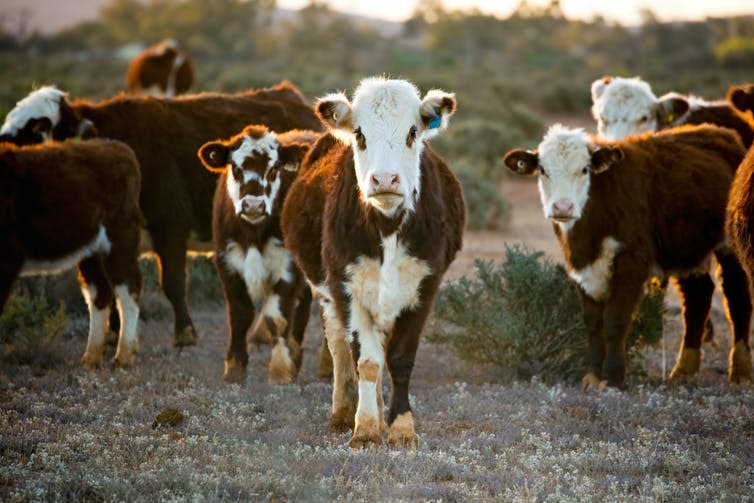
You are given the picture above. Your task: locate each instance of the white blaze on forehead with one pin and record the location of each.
(563, 155)
(620, 107)
(267, 144)
(385, 111)
(44, 102)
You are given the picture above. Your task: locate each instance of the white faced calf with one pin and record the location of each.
(257, 168)
(650, 204)
(374, 221)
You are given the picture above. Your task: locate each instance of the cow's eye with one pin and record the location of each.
(604, 120)
(585, 170)
(237, 172)
(361, 141)
(643, 118)
(543, 172)
(411, 138)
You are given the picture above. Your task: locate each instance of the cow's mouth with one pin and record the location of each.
(386, 201)
(563, 218)
(253, 217)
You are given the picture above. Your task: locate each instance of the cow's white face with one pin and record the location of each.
(256, 166)
(623, 107)
(34, 117)
(565, 161)
(386, 126)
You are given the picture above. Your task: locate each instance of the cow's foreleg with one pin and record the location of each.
(98, 295)
(695, 292)
(240, 311)
(344, 375)
(593, 312)
(738, 308)
(401, 353)
(278, 310)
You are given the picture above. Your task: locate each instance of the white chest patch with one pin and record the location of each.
(100, 244)
(260, 270)
(595, 278)
(384, 290)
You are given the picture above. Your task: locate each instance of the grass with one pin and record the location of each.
(72, 434)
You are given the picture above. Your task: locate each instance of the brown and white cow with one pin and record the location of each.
(740, 223)
(165, 134)
(257, 168)
(649, 204)
(624, 107)
(160, 70)
(374, 220)
(76, 203)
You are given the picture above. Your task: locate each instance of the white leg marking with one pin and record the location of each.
(98, 320)
(128, 309)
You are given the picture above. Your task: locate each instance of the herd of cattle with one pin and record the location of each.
(346, 201)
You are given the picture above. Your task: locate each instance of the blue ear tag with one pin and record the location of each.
(435, 122)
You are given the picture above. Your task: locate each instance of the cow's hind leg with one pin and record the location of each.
(98, 294)
(696, 298)
(286, 355)
(738, 310)
(278, 310)
(171, 250)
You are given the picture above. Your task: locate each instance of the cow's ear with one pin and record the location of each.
(291, 155)
(669, 108)
(214, 156)
(523, 162)
(334, 110)
(741, 98)
(436, 109)
(603, 158)
(598, 87)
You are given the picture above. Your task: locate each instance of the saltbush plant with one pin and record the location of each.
(523, 319)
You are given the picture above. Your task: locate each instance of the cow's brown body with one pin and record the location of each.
(75, 203)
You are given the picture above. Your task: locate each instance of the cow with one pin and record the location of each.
(73, 203)
(160, 70)
(651, 204)
(627, 106)
(740, 221)
(373, 220)
(165, 134)
(257, 167)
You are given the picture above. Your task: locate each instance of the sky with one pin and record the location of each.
(624, 11)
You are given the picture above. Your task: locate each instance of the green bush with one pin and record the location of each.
(523, 319)
(486, 208)
(30, 329)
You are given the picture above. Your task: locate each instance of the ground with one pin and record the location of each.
(67, 433)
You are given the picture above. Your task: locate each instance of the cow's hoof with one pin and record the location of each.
(186, 337)
(282, 369)
(125, 357)
(92, 358)
(739, 363)
(325, 366)
(592, 381)
(366, 436)
(402, 432)
(687, 365)
(342, 420)
(235, 372)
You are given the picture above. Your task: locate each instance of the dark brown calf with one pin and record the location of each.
(374, 220)
(165, 134)
(257, 168)
(161, 70)
(650, 204)
(740, 223)
(76, 203)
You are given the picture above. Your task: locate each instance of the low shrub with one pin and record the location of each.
(523, 319)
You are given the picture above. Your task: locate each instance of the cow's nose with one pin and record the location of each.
(252, 205)
(386, 182)
(562, 208)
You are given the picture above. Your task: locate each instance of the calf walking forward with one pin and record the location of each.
(76, 203)
(648, 205)
(374, 220)
(257, 168)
